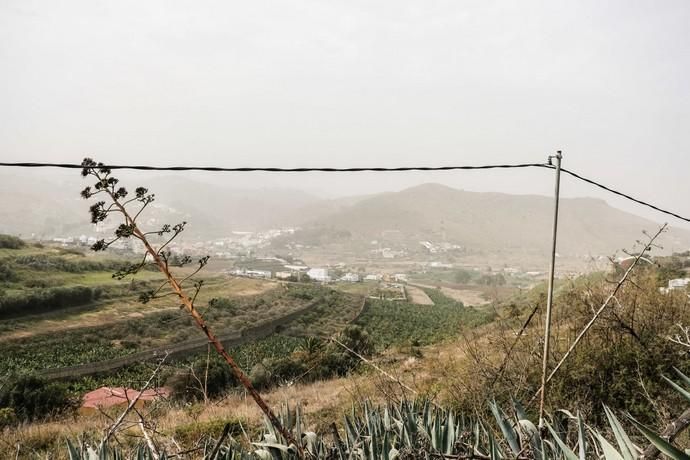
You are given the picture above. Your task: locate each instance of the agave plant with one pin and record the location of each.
(421, 429)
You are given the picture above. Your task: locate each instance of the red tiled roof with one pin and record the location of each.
(107, 397)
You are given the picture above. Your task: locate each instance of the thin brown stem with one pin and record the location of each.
(188, 304)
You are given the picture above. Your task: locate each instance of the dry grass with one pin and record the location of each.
(466, 296)
(416, 295)
(322, 402)
(110, 311)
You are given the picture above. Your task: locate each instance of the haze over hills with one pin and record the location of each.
(495, 221)
(491, 222)
(49, 208)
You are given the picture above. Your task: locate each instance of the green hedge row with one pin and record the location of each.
(43, 300)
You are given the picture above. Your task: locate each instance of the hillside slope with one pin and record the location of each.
(494, 221)
(47, 206)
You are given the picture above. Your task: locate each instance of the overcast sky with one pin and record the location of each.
(368, 83)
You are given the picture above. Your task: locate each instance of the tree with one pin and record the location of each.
(116, 200)
(463, 276)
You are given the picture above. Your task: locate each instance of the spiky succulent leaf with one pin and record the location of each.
(627, 448)
(565, 450)
(509, 433)
(664, 446)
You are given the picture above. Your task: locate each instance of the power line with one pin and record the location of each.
(364, 169)
(624, 195)
(267, 169)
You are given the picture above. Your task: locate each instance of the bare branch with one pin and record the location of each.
(113, 428)
(107, 183)
(601, 309)
(682, 338)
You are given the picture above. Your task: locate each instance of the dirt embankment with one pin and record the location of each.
(469, 297)
(417, 296)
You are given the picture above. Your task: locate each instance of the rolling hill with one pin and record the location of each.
(47, 206)
(494, 222)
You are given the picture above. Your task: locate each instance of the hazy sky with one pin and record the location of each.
(370, 83)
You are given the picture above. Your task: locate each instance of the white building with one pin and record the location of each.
(350, 277)
(259, 273)
(297, 268)
(678, 283)
(319, 274)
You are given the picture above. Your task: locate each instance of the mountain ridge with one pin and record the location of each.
(485, 221)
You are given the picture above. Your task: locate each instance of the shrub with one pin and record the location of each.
(7, 274)
(11, 242)
(229, 305)
(619, 362)
(260, 376)
(32, 398)
(191, 433)
(189, 384)
(48, 299)
(7, 417)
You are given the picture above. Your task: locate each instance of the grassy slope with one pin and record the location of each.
(118, 324)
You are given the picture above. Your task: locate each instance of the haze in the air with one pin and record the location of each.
(308, 83)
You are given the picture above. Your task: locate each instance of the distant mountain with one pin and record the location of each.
(43, 206)
(493, 221)
(46, 204)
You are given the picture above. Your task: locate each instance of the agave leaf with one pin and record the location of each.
(627, 448)
(406, 436)
(531, 432)
(311, 439)
(450, 434)
(350, 433)
(72, 451)
(436, 433)
(685, 393)
(376, 441)
(366, 450)
(567, 413)
(610, 452)
(263, 454)
(660, 443)
(519, 410)
(270, 428)
(494, 453)
(386, 419)
(682, 376)
(477, 434)
(273, 445)
(508, 432)
(386, 447)
(298, 422)
(565, 450)
(581, 437)
(411, 420)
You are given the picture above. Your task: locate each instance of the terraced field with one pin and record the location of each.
(115, 324)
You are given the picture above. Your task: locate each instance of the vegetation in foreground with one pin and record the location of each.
(422, 429)
(629, 346)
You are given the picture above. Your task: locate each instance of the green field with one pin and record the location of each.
(402, 323)
(101, 318)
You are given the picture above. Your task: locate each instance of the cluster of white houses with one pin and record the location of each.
(676, 284)
(322, 275)
(296, 272)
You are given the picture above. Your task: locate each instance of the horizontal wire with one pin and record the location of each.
(361, 169)
(624, 195)
(270, 169)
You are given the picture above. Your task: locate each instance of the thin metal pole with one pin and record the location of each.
(549, 297)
